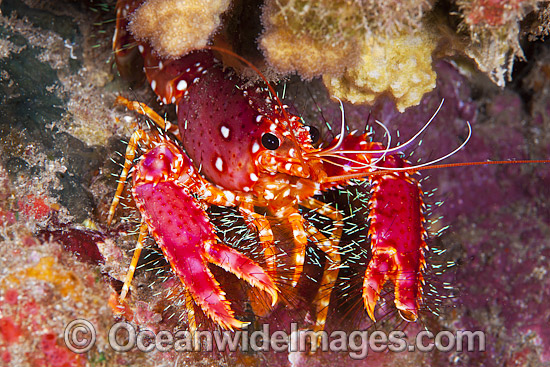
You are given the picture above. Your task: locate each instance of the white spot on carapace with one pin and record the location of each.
(173, 99)
(182, 85)
(153, 84)
(230, 196)
(196, 80)
(288, 166)
(198, 64)
(219, 164)
(141, 49)
(253, 177)
(246, 189)
(268, 195)
(164, 100)
(255, 147)
(292, 152)
(161, 65)
(259, 118)
(272, 127)
(300, 168)
(225, 131)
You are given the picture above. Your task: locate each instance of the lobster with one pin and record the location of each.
(237, 145)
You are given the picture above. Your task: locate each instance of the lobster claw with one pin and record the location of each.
(162, 190)
(398, 242)
(383, 267)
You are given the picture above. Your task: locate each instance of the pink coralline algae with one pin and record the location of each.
(497, 244)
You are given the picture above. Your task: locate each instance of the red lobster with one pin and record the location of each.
(241, 147)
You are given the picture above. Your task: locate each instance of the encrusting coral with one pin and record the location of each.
(400, 66)
(361, 48)
(295, 29)
(175, 27)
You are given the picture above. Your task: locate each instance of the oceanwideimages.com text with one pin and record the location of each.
(80, 336)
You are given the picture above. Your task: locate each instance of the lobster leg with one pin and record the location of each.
(330, 274)
(133, 264)
(145, 110)
(137, 137)
(238, 264)
(300, 239)
(261, 224)
(330, 248)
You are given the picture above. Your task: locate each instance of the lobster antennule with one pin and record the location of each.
(374, 153)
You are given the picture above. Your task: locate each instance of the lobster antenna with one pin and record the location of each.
(386, 171)
(342, 129)
(387, 145)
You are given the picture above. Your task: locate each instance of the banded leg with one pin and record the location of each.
(147, 111)
(330, 248)
(330, 275)
(135, 139)
(328, 211)
(300, 239)
(300, 236)
(261, 224)
(143, 230)
(139, 136)
(191, 320)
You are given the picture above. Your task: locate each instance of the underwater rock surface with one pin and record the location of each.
(59, 262)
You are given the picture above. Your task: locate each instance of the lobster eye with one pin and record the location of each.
(270, 141)
(314, 134)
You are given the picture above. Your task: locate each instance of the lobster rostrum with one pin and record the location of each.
(237, 145)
